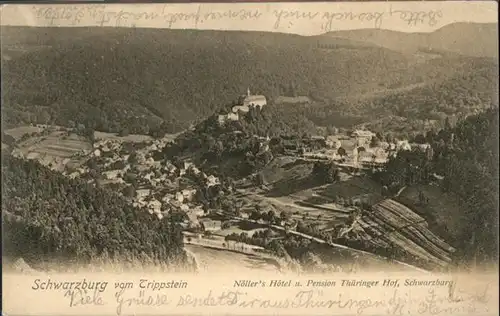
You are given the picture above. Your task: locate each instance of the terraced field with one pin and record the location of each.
(55, 149)
(393, 223)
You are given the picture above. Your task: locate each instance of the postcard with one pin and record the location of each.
(315, 158)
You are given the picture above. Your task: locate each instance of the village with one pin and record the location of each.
(135, 167)
(359, 148)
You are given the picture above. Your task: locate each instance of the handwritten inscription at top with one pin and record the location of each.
(168, 17)
(104, 15)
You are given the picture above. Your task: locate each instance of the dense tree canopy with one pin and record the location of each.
(47, 216)
(466, 156)
(157, 81)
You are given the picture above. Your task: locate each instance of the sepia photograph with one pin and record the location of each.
(250, 138)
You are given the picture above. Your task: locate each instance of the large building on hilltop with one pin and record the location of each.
(247, 101)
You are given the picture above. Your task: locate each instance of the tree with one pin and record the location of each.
(132, 158)
(255, 215)
(44, 117)
(326, 171)
(129, 191)
(389, 138)
(374, 142)
(421, 198)
(277, 247)
(284, 216)
(270, 217)
(332, 174)
(332, 130)
(79, 221)
(124, 132)
(341, 152)
(447, 124)
(8, 139)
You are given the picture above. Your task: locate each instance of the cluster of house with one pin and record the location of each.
(156, 191)
(174, 199)
(245, 102)
(180, 200)
(357, 148)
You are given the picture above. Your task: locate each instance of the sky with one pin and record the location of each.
(296, 18)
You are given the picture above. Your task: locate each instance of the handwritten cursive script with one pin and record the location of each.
(83, 297)
(104, 15)
(168, 17)
(397, 303)
(302, 299)
(143, 299)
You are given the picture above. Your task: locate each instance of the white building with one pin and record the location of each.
(149, 176)
(212, 180)
(168, 197)
(188, 194)
(333, 142)
(248, 101)
(223, 118)
(403, 145)
(142, 193)
(362, 135)
(195, 170)
(154, 206)
(197, 211)
(179, 197)
(112, 174)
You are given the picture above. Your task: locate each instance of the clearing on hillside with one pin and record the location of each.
(56, 149)
(18, 132)
(442, 211)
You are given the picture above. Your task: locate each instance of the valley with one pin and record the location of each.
(346, 153)
(319, 214)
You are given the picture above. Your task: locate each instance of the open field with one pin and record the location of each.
(309, 200)
(356, 188)
(297, 212)
(129, 138)
(442, 211)
(134, 138)
(217, 241)
(18, 132)
(237, 230)
(286, 169)
(215, 260)
(55, 148)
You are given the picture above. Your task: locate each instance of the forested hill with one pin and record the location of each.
(233, 149)
(466, 156)
(48, 218)
(112, 78)
(427, 105)
(470, 39)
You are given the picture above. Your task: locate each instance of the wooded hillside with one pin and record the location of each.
(148, 79)
(466, 156)
(48, 217)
